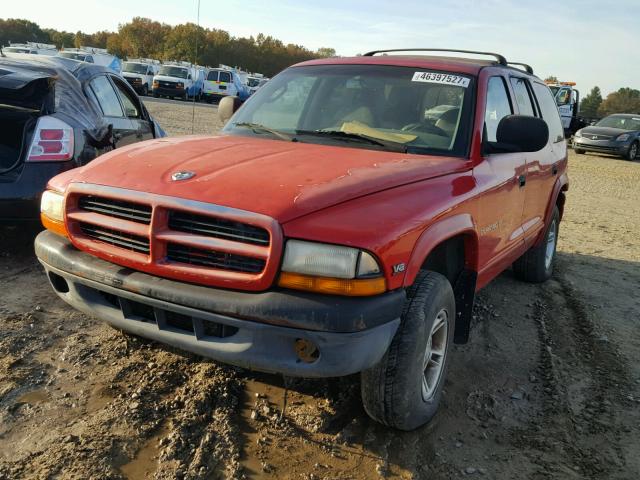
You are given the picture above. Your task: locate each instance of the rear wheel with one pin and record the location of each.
(404, 389)
(536, 265)
(633, 152)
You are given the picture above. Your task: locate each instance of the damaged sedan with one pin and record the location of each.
(57, 114)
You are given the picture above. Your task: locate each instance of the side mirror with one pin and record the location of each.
(227, 107)
(189, 77)
(520, 133)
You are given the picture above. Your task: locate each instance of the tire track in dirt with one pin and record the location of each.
(580, 374)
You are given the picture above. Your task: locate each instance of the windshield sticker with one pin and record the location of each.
(444, 78)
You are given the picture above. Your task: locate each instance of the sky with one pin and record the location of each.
(583, 41)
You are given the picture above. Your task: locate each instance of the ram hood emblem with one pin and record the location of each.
(182, 175)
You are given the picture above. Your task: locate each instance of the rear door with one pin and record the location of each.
(102, 90)
(133, 109)
(544, 166)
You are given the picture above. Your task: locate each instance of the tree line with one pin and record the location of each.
(143, 37)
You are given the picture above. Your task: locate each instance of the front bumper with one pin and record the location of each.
(170, 92)
(604, 146)
(251, 330)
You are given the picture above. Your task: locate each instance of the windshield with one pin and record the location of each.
(16, 50)
(554, 90)
(423, 111)
(618, 121)
(174, 72)
(134, 68)
(75, 56)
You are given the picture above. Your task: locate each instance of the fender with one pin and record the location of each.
(464, 285)
(561, 186)
(437, 233)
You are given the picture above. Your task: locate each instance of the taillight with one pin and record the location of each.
(52, 141)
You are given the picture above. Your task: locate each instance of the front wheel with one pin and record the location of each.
(536, 265)
(578, 151)
(632, 154)
(403, 390)
(145, 91)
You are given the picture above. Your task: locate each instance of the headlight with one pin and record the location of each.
(622, 138)
(330, 269)
(578, 133)
(52, 212)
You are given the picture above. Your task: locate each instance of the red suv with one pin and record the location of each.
(341, 222)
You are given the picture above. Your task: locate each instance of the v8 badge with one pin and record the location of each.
(399, 268)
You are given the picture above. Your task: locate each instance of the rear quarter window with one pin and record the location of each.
(550, 112)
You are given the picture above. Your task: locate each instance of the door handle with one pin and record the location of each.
(522, 180)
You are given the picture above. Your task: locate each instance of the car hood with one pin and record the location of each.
(608, 131)
(284, 180)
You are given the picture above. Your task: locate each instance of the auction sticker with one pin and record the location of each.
(444, 78)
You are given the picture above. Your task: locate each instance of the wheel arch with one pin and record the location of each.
(450, 247)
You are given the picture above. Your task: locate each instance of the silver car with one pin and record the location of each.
(617, 134)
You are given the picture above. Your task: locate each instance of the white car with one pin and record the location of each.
(99, 56)
(139, 72)
(31, 48)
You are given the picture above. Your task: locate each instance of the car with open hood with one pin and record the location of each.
(341, 223)
(57, 114)
(617, 134)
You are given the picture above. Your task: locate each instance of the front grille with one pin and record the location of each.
(212, 259)
(597, 137)
(168, 84)
(185, 240)
(218, 228)
(116, 238)
(116, 208)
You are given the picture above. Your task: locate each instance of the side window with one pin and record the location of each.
(523, 98)
(225, 77)
(498, 106)
(88, 58)
(549, 111)
(106, 96)
(130, 104)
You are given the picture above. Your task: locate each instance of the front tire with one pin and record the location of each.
(633, 152)
(578, 151)
(145, 91)
(403, 390)
(536, 265)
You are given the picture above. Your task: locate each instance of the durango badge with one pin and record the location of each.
(182, 175)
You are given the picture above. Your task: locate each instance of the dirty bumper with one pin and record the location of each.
(251, 330)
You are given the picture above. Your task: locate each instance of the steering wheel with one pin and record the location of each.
(425, 127)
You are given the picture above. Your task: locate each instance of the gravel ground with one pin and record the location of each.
(547, 388)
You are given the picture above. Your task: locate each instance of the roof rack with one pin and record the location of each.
(526, 67)
(501, 60)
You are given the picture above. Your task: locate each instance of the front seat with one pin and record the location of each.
(448, 121)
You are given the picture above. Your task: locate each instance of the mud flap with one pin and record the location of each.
(464, 292)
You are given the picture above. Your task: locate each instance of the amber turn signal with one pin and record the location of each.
(54, 226)
(356, 287)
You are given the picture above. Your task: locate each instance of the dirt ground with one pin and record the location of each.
(547, 388)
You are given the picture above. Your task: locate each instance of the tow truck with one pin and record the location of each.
(568, 100)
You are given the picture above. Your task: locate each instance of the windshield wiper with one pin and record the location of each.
(358, 137)
(257, 128)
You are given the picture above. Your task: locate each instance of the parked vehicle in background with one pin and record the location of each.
(99, 56)
(224, 82)
(139, 72)
(568, 100)
(179, 80)
(255, 81)
(57, 114)
(331, 229)
(617, 134)
(32, 48)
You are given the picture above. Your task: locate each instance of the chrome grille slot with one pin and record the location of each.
(134, 212)
(213, 259)
(116, 238)
(218, 228)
